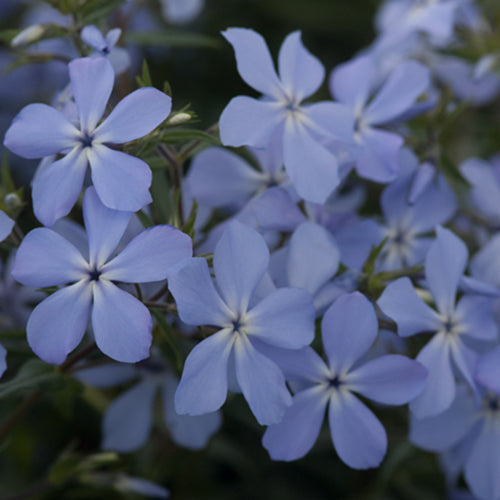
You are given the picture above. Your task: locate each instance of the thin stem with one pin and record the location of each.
(171, 159)
(159, 294)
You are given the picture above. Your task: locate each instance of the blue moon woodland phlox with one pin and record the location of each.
(121, 323)
(303, 129)
(283, 318)
(121, 181)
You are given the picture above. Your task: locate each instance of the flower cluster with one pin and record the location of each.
(328, 235)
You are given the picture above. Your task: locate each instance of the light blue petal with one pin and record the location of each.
(349, 327)
(57, 187)
(296, 364)
(404, 85)
(104, 226)
(439, 391)
(412, 315)
(379, 157)
(128, 419)
(134, 116)
(358, 436)
(313, 257)
(6, 225)
(46, 259)
(254, 61)
(218, 177)
(203, 385)
(444, 265)
(92, 81)
(192, 432)
(3, 360)
(488, 370)
(93, 38)
(301, 73)
(331, 120)
(56, 326)
(475, 316)
(248, 122)
(350, 82)
(311, 167)
(442, 431)
(482, 469)
(241, 258)
(295, 435)
(39, 130)
(121, 181)
(421, 181)
(261, 382)
(122, 325)
(391, 379)
(198, 302)
(150, 256)
(285, 318)
(485, 265)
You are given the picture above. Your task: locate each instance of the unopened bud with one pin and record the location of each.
(12, 201)
(28, 36)
(179, 119)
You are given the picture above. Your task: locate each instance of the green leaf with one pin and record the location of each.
(145, 79)
(180, 135)
(189, 225)
(34, 374)
(369, 265)
(173, 38)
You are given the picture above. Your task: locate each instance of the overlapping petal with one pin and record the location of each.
(122, 325)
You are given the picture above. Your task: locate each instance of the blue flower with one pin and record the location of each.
(453, 324)
(6, 225)
(121, 323)
(283, 318)
(3, 361)
(349, 328)
(121, 181)
(304, 130)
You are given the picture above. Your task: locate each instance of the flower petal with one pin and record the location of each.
(198, 302)
(3, 361)
(122, 325)
(358, 436)
(203, 385)
(104, 226)
(439, 391)
(412, 315)
(192, 432)
(134, 116)
(254, 61)
(295, 435)
(261, 381)
(444, 265)
(241, 258)
(57, 187)
(405, 84)
(248, 122)
(121, 181)
(488, 370)
(349, 327)
(391, 379)
(56, 326)
(285, 318)
(127, 422)
(6, 225)
(301, 73)
(311, 167)
(92, 81)
(313, 257)
(45, 258)
(39, 130)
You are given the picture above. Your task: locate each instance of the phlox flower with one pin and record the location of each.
(282, 318)
(3, 360)
(128, 419)
(6, 225)
(349, 327)
(303, 130)
(105, 46)
(468, 432)
(352, 84)
(121, 181)
(454, 326)
(121, 323)
(181, 11)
